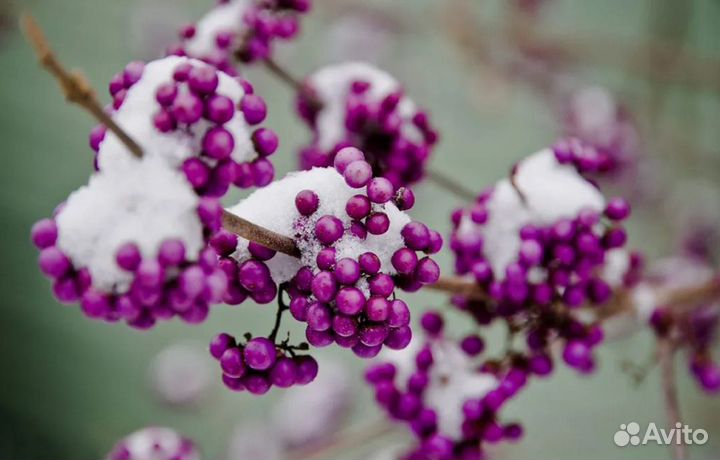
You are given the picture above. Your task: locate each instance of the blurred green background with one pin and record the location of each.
(71, 387)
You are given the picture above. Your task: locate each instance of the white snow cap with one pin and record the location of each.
(224, 17)
(146, 203)
(454, 379)
(273, 207)
(135, 117)
(553, 191)
(156, 443)
(595, 114)
(332, 85)
(311, 412)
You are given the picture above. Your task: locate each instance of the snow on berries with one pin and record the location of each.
(240, 29)
(131, 245)
(356, 246)
(356, 104)
(196, 118)
(544, 236)
(158, 443)
(601, 137)
(437, 387)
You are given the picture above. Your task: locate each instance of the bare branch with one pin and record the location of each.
(74, 85)
(666, 353)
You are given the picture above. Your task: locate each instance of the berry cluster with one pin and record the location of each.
(450, 405)
(98, 250)
(599, 131)
(694, 329)
(350, 301)
(197, 118)
(154, 442)
(240, 29)
(585, 157)
(551, 267)
(355, 104)
(259, 364)
(697, 332)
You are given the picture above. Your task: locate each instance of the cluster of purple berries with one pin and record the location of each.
(405, 401)
(387, 137)
(351, 301)
(250, 278)
(168, 285)
(251, 38)
(259, 364)
(588, 159)
(697, 331)
(191, 103)
(567, 255)
(594, 117)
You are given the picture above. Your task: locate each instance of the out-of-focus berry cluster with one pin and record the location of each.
(355, 104)
(243, 30)
(449, 401)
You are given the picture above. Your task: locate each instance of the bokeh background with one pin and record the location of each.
(492, 74)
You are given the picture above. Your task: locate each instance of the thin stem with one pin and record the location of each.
(666, 352)
(284, 75)
(74, 85)
(460, 286)
(513, 182)
(293, 82)
(450, 185)
(253, 232)
(278, 314)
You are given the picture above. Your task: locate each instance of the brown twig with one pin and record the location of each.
(514, 184)
(450, 185)
(74, 85)
(283, 74)
(460, 286)
(253, 232)
(666, 352)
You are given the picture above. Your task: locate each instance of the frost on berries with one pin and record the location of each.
(356, 104)
(240, 29)
(195, 118)
(131, 245)
(158, 443)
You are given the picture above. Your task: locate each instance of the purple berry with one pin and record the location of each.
(328, 229)
(259, 353)
(307, 202)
